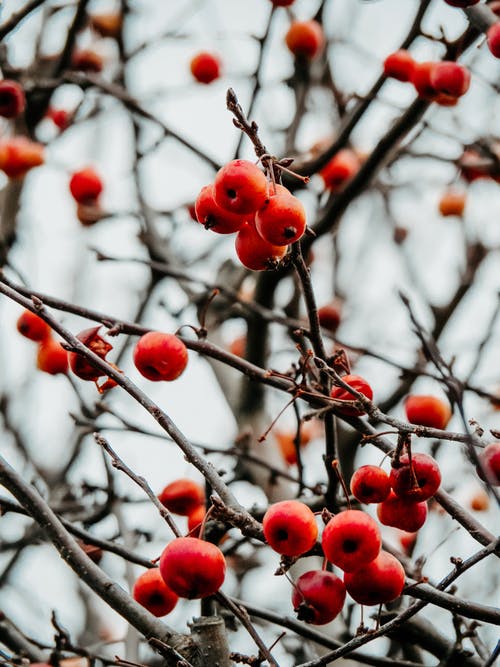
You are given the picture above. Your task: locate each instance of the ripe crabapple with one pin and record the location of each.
(329, 316)
(282, 220)
(240, 187)
(107, 24)
(452, 202)
(33, 327)
(18, 155)
(182, 496)
(351, 539)
(417, 482)
(490, 462)
(85, 185)
(290, 528)
(87, 60)
(340, 394)
(160, 356)
(79, 364)
(12, 99)
(450, 78)
(370, 484)
(426, 410)
(402, 513)
(153, 594)
(60, 117)
(378, 582)
(421, 79)
(318, 597)
(213, 216)
(195, 519)
(399, 65)
(192, 568)
(305, 38)
(255, 253)
(493, 39)
(205, 67)
(343, 166)
(52, 357)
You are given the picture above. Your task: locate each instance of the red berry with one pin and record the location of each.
(52, 357)
(421, 79)
(370, 484)
(402, 513)
(195, 520)
(282, 3)
(407, 541)
(192, 568)
(351, 539)
(340, 169)
(79, 364)
(450, 78)
(427, 410)
(87, 60)
(290, 528)
(418, 482)
(160, 356)
(18, 155)
(399, 65)
(282, 220)
(12, 100)
(452, 202)
(318, 597)
(493, 39)
(241, 187)
(490, 461)
(213, 216)
(182, 496)
(205, 67)
(60, 117)
(305, 38)
(255, 253)
(152, 592)
(107, 24)
(33, 327)
(461, 3)
(340, 394)
(85, 185)
(330, 315)
(378, 582)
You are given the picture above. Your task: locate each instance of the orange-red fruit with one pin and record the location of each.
(195, 519)
(340, 169)
(282, 3)
(407, 541)
(152, 592)
(18, 155)
(85, 185)
(378, 582)
(159, 356)
(52, 357)
(241, 187)
(254, 252)
(421, 79)
(329, 316)
(238, 346)
(427, 410)
(490, 461)
(479, 502)
(452, 202)
(205, 67)
(340, 394)
(107, 25)
(370, 484)
(182, 496)
(351, 539)
(12, 99)
(87, 60)
(282, 220)
(399, 65)
(60, 117)
(213, 216)
(418, 482)
(493, 39)
(305, 38)
(318, 597)
(450, 78)
(290, 528)
(192, 568)
(33, 327)
(79, 364)
(402, 513)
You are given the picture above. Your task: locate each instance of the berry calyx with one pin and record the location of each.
(399, 65)
(12, 99)
(343, 166)
(153, 594)
(305, 38)
(377, 582)
(160, 356)
(213, 216)
(290, 528)
(183, 496)
(402, 513)
(340, 394)
(426, 410)
(205, 67)
(33, 327)
(85, 185)
(370, 484)
(417, 482)
(318, 597)
(192, 568)
(240, 187)
(254, 252)
(282, 220)
(351, 539)
(52, 357)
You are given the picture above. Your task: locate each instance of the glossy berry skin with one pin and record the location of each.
(282, 220)
(153, 594)
(290, 528)
(192, 568)
(182, 496)
(450, 78)
(493, 39)
(85, 185)
(318, 597)
(213, 216)
(12, 99)
(240, 187)
(80, 366)
(351, 539)
(52, 357)
(452, 202)
(305, 38)
(343, 166)
(490, 461)
(359, 384)
(419, 485)
(205, 67)
(421, 79)
(329, 316)
(378, 582)
(255, 253)
(399, 65)
(87, 60)
(426, 410)
(195, 520)
(18, 155)
(160, 357)
(402, 513)
(33, 327)
(370, 484)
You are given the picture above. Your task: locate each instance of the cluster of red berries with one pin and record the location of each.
(443, 82)
(86, 187)
(265, 217)
(52, 357)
